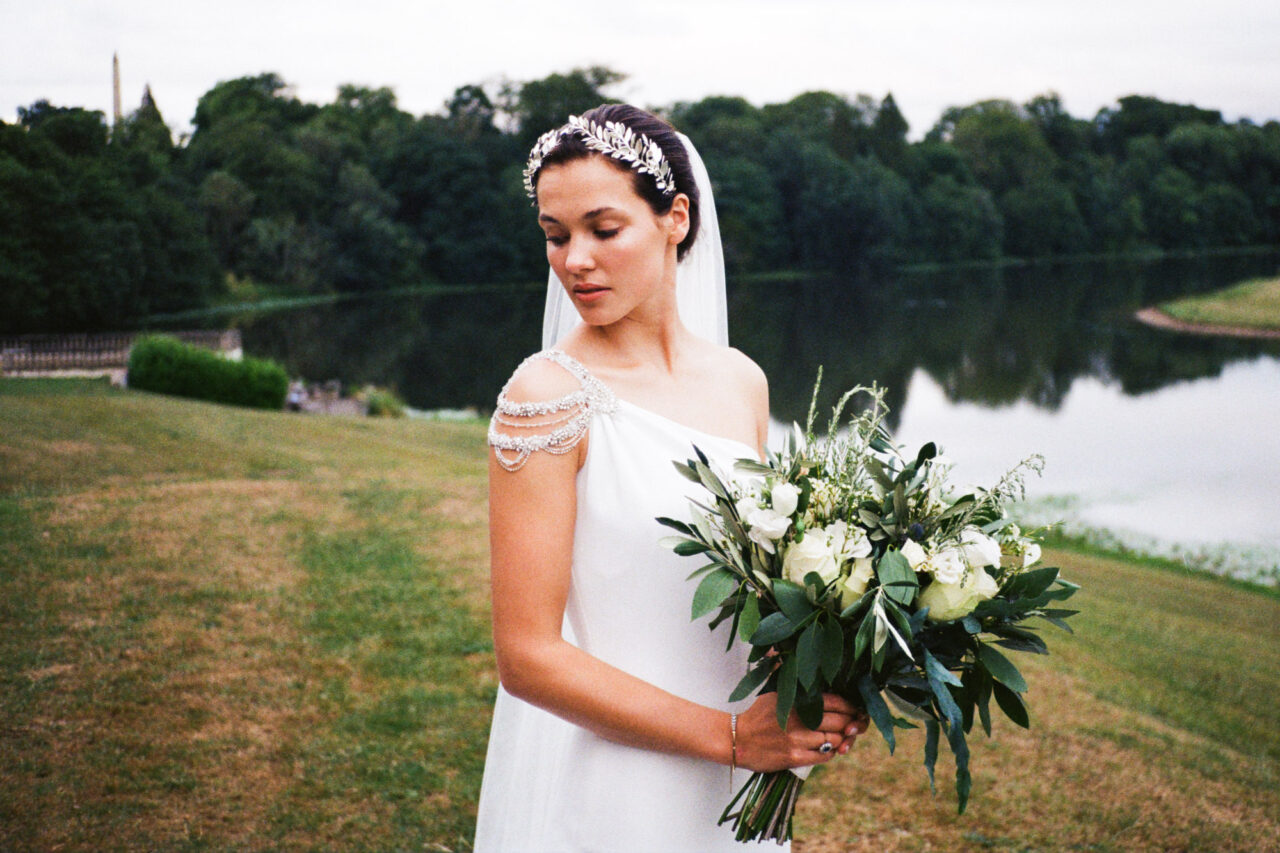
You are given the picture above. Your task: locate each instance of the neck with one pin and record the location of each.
(652, 335)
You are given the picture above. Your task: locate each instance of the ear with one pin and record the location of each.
(677, 219)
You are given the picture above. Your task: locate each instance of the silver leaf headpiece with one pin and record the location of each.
(613, 139)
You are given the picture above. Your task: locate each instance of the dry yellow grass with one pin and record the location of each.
(237, 630)
(1253, 304)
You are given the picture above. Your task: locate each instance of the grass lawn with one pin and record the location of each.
(231, 629)
(1253, 304)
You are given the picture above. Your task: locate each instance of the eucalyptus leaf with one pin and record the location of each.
(704, 569)
(687, 472)
(749, 617)
(877, 710)
(1012, 705)
(1020, 640)
(931, 729)
(808, 657)
(879, 474)
(904, 705)
(688, 548)
(984, 700)
(708, 479)
(786, 690)
(831, 647)
(866, 632)
(712, 591)
(1002, 669)
(675, 525)
(1054, 620)
(1031, 583)
(897, 577)
(750, 682)
(773, 629)
(792, 599)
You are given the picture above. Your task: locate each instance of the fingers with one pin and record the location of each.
(837, 723)
(832, 702)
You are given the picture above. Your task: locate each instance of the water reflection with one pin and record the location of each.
(1195, 463)
(991, 337)
(1153, 432)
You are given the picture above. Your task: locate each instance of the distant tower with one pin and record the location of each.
(115, 89)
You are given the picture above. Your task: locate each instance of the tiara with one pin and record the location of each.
(613, 139)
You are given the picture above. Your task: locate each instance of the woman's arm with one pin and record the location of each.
(531, 522)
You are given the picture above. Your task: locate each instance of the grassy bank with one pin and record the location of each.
(232, 629)
(1253, 304)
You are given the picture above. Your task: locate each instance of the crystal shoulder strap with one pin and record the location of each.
(553, 426)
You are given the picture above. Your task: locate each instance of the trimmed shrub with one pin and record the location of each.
(382, 403)
(167, 366)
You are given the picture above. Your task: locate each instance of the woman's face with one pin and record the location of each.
(610, 251)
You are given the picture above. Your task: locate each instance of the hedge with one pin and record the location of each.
(167, 366)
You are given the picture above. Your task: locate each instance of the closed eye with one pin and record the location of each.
(606, 234)
(557, 241)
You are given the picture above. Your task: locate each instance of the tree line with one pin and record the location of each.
(101, 226)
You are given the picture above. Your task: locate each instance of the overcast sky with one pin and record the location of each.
(930, 53)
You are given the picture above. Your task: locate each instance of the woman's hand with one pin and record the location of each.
(762, 746)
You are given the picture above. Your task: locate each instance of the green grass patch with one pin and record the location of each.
(1253, 304)
(229, 629)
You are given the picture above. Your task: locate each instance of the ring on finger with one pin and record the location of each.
(826, 747)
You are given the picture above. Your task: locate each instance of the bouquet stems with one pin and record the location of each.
(767, 810)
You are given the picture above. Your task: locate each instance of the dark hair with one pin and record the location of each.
(571, 147)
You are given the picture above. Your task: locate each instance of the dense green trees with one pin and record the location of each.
(94, 233)
(99, 226)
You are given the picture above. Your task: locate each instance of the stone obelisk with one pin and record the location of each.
(115, 90)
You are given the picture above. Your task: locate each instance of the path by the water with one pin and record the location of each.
(1160, 320)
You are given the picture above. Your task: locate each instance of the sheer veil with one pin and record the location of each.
(700, 291)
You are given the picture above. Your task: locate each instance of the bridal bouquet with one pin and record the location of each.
(853, 569)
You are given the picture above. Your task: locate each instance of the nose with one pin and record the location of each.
(578, 258)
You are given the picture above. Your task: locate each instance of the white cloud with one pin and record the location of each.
(929, 53)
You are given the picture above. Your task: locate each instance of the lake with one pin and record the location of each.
(1168, 441)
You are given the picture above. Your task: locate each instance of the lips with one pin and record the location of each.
(588, 292)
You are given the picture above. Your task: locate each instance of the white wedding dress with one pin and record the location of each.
(553, 787)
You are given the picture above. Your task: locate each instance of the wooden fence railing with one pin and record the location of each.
(46, 353)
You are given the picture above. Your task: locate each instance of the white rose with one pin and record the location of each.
(784, 497)
(947, 601)
(979, 548)
(837, 537)
(1031, 555)
(914, 553)
(982, 584)
(766, 527)
(811, 554)
(746, 506)
(852, 587)
(947, 566)
(849, 542)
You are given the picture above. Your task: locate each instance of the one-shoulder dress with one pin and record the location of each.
(550, 785)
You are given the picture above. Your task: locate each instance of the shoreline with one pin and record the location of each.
(1154, 317)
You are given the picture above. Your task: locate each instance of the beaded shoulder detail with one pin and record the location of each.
(518, 430)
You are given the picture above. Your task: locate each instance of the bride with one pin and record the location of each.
(612, 730)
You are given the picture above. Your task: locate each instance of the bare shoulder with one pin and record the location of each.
(743, 375)
(746, 371)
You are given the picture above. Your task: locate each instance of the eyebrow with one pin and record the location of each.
(590, 214)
